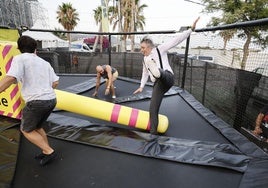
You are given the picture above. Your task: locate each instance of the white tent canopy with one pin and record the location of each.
(48, 39)
(42, 36)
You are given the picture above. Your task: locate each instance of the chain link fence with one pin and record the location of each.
(213, 73)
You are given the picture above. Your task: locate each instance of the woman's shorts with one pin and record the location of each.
(115, 75)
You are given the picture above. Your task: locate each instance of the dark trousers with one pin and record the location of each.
(161, 86)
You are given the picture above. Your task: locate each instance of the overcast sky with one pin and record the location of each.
(160, 15)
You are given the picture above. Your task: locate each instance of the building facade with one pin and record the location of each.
(16, 13)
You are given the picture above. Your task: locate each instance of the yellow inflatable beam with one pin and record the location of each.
(107, 111)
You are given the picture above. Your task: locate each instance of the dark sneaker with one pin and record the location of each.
(153, 69)
(48, 158)
(40, 156)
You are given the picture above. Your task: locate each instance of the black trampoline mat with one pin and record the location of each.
(184, 121)
(83, 166)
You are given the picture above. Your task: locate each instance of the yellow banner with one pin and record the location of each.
(11, 102)
(10, 35)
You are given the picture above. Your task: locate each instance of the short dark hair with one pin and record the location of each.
(26, 44)
(148, 41)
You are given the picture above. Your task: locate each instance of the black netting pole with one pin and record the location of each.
(205, 83)
(185, 63)
(110, 49)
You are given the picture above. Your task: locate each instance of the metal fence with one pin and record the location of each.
(233, 94)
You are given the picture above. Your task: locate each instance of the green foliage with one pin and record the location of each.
(235, 11)
(67, 16)
(58, 33)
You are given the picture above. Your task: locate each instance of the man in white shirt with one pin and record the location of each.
(156, 66)
(38, 81)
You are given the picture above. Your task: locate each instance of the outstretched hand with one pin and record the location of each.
(257, 131)
(139, 90)
(107, 91)
(194, 24)
(95, 94)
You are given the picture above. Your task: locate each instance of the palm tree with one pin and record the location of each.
(226, 35)
(128, 17)
(67, 16)
(139, 17)
(138, 20)
(116, 19)
(98, 17)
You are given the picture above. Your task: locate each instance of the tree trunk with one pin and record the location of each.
(95, 43)
(224, 46)
(101, 42)
(69, 40)
(132, 24)
(97, 40)
(246, 50)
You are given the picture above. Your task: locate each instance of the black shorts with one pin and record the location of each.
(35, 113)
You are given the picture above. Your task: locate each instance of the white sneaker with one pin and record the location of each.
(113, 96)
(152, 67)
